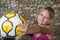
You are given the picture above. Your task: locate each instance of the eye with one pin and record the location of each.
(46, 17)
(41, 14)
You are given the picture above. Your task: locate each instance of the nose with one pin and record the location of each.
(42, 18)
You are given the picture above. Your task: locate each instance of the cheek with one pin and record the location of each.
(39, 17)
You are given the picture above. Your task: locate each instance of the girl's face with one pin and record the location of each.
(43, 17)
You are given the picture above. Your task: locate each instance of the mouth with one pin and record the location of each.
(41, 20)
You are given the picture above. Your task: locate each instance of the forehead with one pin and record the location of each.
(44, 12)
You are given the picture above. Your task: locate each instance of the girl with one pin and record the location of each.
(44, 17)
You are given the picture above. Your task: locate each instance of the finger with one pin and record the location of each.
(22, 31)
(26, 24)
(22, 26)
(43, 25)
(22, 34)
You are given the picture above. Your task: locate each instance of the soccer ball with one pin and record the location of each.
(9, 24)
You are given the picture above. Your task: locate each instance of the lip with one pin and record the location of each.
(41, 20)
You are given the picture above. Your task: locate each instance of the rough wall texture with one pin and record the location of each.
(28, 8)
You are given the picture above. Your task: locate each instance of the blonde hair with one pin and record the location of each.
(50, 10)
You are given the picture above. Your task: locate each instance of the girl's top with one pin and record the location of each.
(41, 37)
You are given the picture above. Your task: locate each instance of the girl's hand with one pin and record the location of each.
(24, 27)
(44, 25)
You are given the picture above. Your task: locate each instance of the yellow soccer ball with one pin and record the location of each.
(9, 24)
